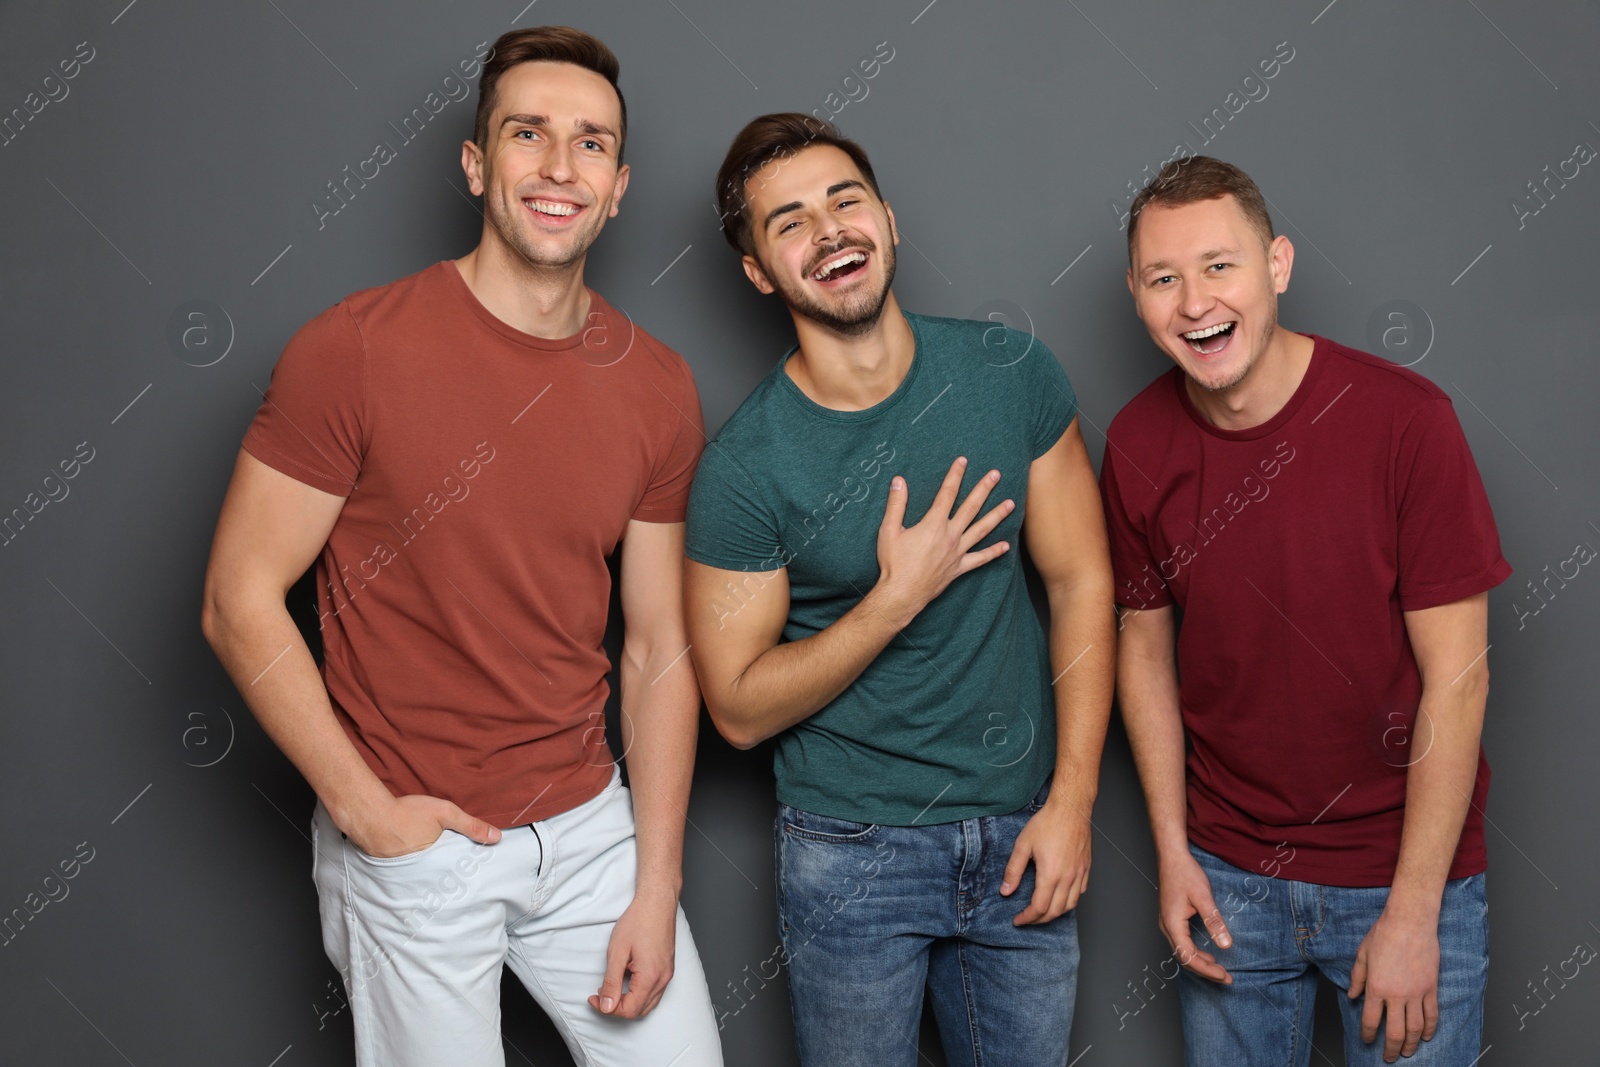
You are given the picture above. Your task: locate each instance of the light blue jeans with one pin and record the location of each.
(421, 940)
(1284, 933)
(872, 915)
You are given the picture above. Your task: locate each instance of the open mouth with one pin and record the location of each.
(552, 210)
(1210, 340)
(851, 261)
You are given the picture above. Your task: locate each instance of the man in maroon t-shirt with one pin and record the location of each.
(459, 451)
(1315, 780)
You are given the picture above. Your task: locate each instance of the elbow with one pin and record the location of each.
(220, 608)
(738, 734)
(1094, 589)
(740, 741)
(210, 616)
(740, 737)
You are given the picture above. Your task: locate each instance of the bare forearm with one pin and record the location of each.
(1444, 755)
(794, 680)
(1147, 688)
(262, 650)
(1083, 668)
(660, 723)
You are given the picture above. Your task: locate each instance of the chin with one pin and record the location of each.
(1214, 379)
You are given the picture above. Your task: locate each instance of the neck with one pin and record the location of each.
(1265, 388)
(541, 301)
(852, 373)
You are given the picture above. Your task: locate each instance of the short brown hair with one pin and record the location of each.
(1191, 179)
(777, 136)
(553, 44)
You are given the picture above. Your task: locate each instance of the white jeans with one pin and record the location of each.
(420, 940)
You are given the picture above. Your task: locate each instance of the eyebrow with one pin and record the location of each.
(1205, 257)
(579, 125)
(795, 205)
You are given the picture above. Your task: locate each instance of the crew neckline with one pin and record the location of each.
(597, 303)
(864, 414)
(1297, 400)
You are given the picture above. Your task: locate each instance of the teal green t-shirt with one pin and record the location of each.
(955, 718)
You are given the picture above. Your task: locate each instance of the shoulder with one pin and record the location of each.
(1402, 386)
(753, 429)
(393, 300)
(649, 357)
(994, 335)
(1154, 410)
(1396, 402)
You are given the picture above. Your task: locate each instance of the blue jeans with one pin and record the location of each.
(871, 915)
(1284, 932)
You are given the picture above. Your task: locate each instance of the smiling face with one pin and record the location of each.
(551, 178)
(823, 240)
(1206, 284)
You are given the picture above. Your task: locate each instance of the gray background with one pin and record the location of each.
(182, 164)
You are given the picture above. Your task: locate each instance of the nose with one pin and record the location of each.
(556, 162)
(1194, 301)
(827, 229)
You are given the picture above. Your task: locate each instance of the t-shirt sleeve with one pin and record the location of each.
(310, 422)
(1138, 583)
(1448, 545)
(666, 499)
(729, 525)
(1052, 403)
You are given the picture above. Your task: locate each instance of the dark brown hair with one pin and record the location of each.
(768, 138)
(554, 44)
(1194, 178)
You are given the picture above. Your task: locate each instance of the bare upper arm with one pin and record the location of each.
(1064, 526)
(733, 617)
(1449, 641)
(1148, 635)
(652, 586)
(269, 532)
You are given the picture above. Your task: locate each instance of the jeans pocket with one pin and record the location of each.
(402, 859)
(810, 826)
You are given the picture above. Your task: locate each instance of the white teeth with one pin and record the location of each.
(834, 264)
(1209, 331)
(549, 207)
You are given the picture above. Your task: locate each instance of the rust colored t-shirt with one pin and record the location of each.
(488, 474)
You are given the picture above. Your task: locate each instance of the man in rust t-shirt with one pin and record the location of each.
(460, 451)
(487, 474)
(1315, 780)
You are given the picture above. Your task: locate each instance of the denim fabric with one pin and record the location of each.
(1284, 933)
(421, 940)
(871, 915)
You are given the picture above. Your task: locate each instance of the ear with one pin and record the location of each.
(894, 231)
(1131, 291)
(757, 276)
(618, 189)
(1280, 260)
(472, 164)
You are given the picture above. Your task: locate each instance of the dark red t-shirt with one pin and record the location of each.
(1292, 549)
(488, 474)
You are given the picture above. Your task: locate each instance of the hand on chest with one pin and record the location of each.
(832, 502)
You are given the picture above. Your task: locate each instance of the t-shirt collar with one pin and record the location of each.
(463, 291)
(788, 384)
(1308, 385)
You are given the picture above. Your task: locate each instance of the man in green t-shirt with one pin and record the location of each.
(921, 716)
